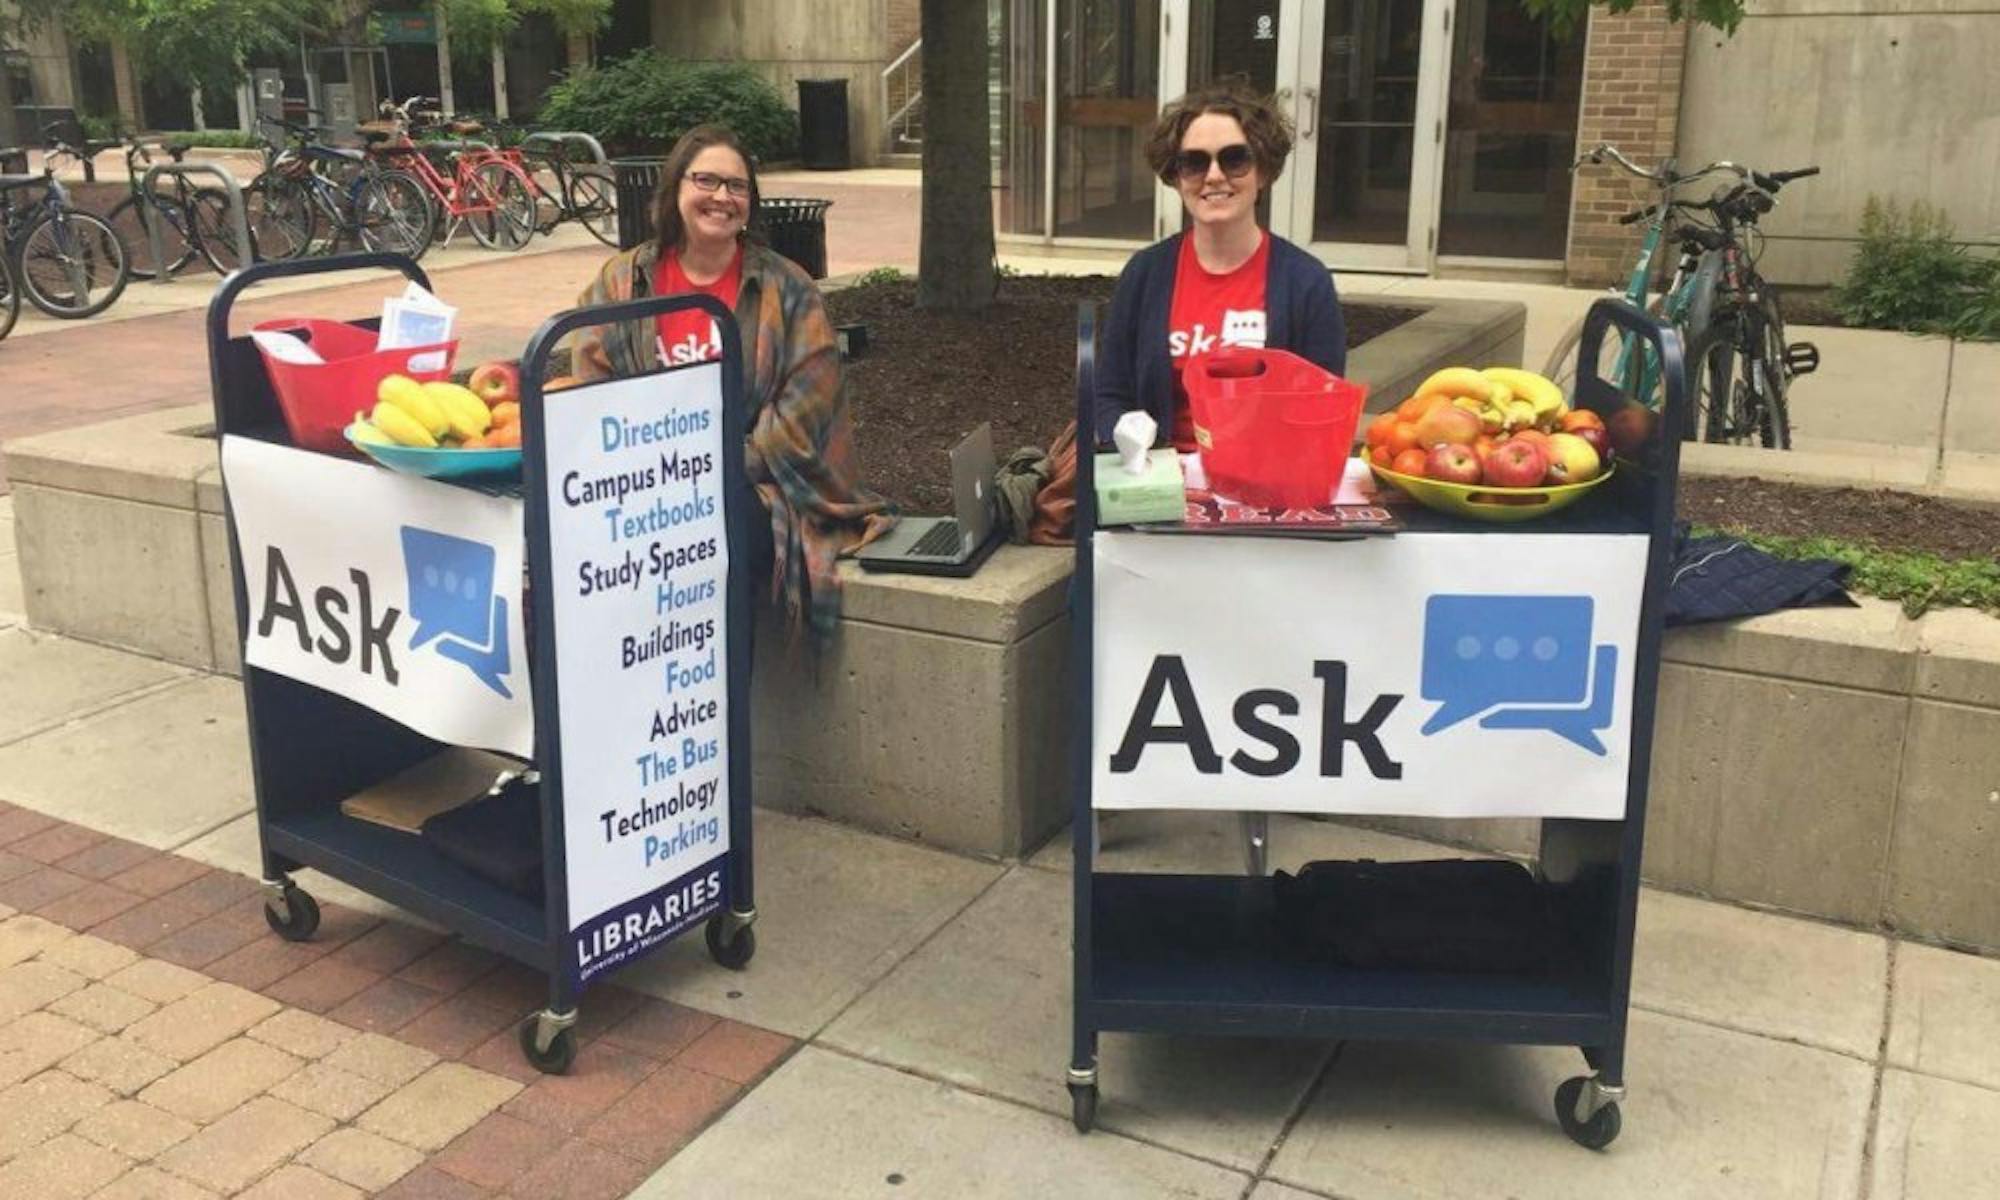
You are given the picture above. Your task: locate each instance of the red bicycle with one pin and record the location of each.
(475, 184)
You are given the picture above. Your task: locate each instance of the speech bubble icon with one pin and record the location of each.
(1578, 725)
(1480, 651)
(450, 585)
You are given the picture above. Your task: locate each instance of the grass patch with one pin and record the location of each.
(1919, 582)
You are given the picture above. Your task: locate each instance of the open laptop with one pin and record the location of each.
(946, 545)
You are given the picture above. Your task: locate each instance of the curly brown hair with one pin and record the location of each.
(667, 226)
(1268, 131)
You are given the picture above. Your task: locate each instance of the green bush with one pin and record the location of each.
(1911, 273)
(642, 103)
(211, 139)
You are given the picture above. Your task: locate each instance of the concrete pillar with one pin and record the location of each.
(444, 63)
(499, 80)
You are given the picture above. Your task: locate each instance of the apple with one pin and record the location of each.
(1571, 459)
(1578, 419)
(1599, 440)
(1449, 463)
(1411, 462)
(1516, 462)
(496, 383)
(1630, 427)
(1448, 426)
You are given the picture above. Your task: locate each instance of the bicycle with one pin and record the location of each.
(580, 192)
(193, 220)
(485, 191)
(1724, 309)
(69, 263)
(10, 298)
(380, 209)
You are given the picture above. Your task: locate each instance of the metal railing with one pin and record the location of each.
(239, 221)
(561, 138)
(902, 87)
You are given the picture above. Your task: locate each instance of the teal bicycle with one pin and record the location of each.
(1738, 362)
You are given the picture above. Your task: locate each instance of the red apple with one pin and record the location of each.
(1445, 425)
(496, 383)
(1571, 459)
(1516, 463)
(1630, 427)
(1452, 464)
(1599, 440)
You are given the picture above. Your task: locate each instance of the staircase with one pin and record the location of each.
(903, 101)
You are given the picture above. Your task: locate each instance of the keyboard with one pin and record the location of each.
(941, 542)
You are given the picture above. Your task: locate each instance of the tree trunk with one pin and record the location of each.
(955, 256)
(444, 97)
(131, 102)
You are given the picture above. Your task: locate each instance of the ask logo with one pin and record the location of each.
(452, 599)
(1240, 327)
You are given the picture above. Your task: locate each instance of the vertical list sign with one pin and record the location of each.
(640, 558)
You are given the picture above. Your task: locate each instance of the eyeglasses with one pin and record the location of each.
(739, 188)
(1235, 162)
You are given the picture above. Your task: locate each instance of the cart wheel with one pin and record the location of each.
(561, 1053)
(734, 953)
(1083, 1106)
(301, 919)
(1595, 1134)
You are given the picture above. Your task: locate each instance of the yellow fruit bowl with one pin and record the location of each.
(1480, 502)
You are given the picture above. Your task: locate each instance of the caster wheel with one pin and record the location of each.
(734, 953)
(1595, 1134)
(1083, 1106)
(301, 919)
(559, 1057)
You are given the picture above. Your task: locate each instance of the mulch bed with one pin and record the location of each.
(928, 379)
(1886, 519)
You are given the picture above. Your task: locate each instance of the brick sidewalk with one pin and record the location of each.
(159, 1042)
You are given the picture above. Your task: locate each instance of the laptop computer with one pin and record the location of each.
(954, 545)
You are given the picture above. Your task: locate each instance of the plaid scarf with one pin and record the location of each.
(800, 453)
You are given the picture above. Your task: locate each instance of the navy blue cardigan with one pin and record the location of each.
(1133, 369)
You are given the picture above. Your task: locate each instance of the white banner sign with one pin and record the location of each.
(1440, 675)
(640, 556)
(398, 593)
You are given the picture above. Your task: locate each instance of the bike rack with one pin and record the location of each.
(564, 137)
(239, 222)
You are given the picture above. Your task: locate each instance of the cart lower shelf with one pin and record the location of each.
(1203, 954)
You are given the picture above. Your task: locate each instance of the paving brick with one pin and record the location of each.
(109, 858)
(606, 1008)
(13, 866)
(205, 941)
(138, 1131)
(387, 1006)
(581, 1171)
(300, 1183)
(90, 957)
(451, 967)
(56, 843)
(158, 876)
(221, 1079)
(384, 1060)
(322, 986)
(62, 1168)
(358, 1157)
(429, 1183)
(122, 1066)
(102, 1007)
(89, 906)
(242, 1146)
(37, 1042)
(213, 891)
(735, 1051)
(662, 1114)
(200, 1021)
(511, 988)
(24, 937)
(495, 1152)
(151, 1183)
(265, 961)
(455, 1028)
(39, 887)
(331, 1092)
(38, 1109)
(19, 823)
(147, 922)
(27, 986)
(437, 1106)
(501, 1055)
(162, 983)
(661, 1028)
(602, 1074)
(389, 947)
(302, 1033)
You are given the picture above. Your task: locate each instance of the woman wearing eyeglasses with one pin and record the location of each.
(800, 451)
(1225, 281)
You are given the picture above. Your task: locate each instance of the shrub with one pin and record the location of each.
(643, 102)
(1911, 273)
(212, 139)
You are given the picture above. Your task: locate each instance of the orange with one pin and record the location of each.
(507, 413)
(504, 437)
(1381, 457)
(1533, 435)
(1410, 462)
(1378, 429)
(1402, 437)
(1416, 406)
(1581, 418)
(475, 442)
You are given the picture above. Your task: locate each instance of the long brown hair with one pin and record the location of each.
(668, 229)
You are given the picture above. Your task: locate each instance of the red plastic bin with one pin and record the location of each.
(1274, 429)
(320, 400)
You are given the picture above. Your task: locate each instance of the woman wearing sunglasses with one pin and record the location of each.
(1225, 280)
(800, 451)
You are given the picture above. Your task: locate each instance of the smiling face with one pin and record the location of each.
(717, 216)
(1214, 198)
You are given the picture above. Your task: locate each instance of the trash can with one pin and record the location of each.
(635, 180)
(795, 228)
(823, 124)
(13, 162)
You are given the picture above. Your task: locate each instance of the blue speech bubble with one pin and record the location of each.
(1482, 651)
(451, 586)
(1578, 725)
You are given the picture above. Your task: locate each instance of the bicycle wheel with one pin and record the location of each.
(72, 264)
(214, 230)
(594, 202)
(511, 223)
(392, 211)
(126, 220)
(1715, 399)
(10, 296)
(1773, 378)
(282, 217)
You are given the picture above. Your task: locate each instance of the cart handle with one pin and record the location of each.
(543, 343)
(240, 281)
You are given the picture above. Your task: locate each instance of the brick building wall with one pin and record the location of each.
(1632, 71)
(905, 23)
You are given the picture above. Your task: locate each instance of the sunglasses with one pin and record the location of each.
(707, 182)
(1235, 162)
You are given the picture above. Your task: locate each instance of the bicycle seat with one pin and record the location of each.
(348, 153)
(465, 128)
(444, 146)
(10, 182)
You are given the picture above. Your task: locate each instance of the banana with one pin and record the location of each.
(401, 427)
(1537, 390)
(366, 434)
(1459, 381)
(466, 413)
(402, 392)
(1520, 414)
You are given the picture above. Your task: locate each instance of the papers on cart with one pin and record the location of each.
(416, 318)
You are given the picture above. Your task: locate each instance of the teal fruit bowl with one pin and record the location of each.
(441, 463)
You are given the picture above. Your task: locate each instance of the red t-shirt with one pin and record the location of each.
(1208, 311)
(691, 337)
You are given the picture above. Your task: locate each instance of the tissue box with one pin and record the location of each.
(1127, 499)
